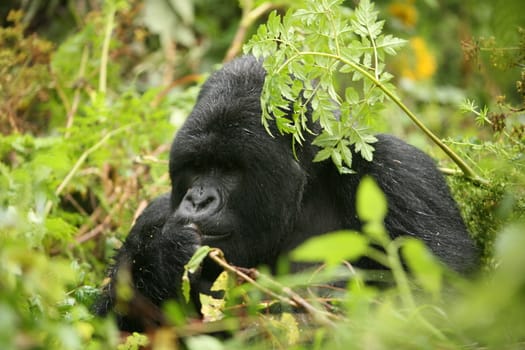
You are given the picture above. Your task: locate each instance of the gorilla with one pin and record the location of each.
(237, 188)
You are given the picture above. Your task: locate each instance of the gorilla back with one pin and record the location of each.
(237, 188)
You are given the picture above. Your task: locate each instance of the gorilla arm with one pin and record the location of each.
(150, 264)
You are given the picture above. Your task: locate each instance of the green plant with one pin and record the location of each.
(426, 306)
(65, 188)
(304, 50)
(84, 143)
(24, 77)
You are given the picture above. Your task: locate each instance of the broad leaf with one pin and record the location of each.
(332, 248)
(424, 266)
(371, 201)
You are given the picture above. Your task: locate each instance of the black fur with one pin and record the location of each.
(247, 194)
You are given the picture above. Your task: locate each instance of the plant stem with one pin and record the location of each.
(110, 22)
(401, 279)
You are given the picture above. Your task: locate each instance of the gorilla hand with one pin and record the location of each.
(151, 264)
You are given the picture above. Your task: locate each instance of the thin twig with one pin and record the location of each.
(216, 255)
(293, 299)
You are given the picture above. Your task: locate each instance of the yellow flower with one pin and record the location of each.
(422, 64)
(404, 11)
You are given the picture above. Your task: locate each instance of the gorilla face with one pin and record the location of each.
(240, 186)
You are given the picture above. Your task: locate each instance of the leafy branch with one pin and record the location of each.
(303, 50)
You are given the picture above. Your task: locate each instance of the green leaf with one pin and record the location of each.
(336, 158)
(371, 201)
(366, 150)
(326, 140)
(273, 24)
(332, 248)
(345, 170)
(423, 265)
(351, 95)
(191, 267)
(347, 156)
(197, 259)
(390, 44)
(323, 154)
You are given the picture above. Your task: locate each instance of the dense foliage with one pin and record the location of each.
(92, 92)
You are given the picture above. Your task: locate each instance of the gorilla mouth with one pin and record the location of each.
(207, 236)
(215, 237)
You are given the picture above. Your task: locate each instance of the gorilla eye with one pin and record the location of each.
(181, 183)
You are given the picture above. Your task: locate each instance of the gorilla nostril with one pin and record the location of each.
(202, 200)
(206, 202)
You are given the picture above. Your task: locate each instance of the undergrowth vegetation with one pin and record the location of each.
(88, 108)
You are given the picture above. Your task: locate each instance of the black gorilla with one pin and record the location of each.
(237, 188)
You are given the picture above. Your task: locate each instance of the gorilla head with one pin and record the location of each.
(238, 188)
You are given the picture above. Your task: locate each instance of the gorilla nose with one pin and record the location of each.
(200, 201)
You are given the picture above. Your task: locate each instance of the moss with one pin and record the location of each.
(486, 209)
